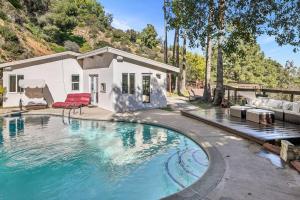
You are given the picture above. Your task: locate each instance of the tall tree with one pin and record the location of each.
(182, 74)
(166, 31)
(208, 61)
(219, 92)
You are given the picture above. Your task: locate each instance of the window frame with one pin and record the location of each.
(125, 88)
(18, 89)
(75, 82)
(131, 87)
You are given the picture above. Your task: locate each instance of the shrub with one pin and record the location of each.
(101, 44)
(3, 15)
(35, 30)
(85, 48)
(8, 34)
(108, 34)
(57, 48)
(13, 48)
(15, 3)
(71, 46)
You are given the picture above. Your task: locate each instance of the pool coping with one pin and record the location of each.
(205, 184)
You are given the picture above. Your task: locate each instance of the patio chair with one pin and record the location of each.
(77, 100)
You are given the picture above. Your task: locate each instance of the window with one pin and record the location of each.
(125, 83)
(132, 83)
(75, 82)
(14, 83)
(103, 88)
(128, 83)
(146, 88)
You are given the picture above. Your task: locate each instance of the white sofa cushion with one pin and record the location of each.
(287, 105)
(296, 107)
(275, 104)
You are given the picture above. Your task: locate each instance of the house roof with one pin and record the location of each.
(46, 58)
(79, 56)
(130, 56)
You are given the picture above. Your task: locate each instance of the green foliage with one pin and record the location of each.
(2, 90)
(35, 30)
(247, 64)
(35, 7)
(101, 44)
(14, 48)
(148, 37)
(119, 35)
(132, 35)
(3, 15)
(8, 34)
(195, 67)
(85, 48)
(57, 48)
(15, 3)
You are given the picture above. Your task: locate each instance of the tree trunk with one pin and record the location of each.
(207, 88)
(166, 33)
(219, 93)
(174, 56)
(174, 47)
(182, 74)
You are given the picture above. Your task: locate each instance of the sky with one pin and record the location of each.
(136, 14)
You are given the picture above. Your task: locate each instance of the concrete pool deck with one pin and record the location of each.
(246, 175)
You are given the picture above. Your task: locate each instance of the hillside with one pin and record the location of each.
(31, 28)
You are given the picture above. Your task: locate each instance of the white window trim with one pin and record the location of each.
(75, 82)
(8, 89)
(128, 84)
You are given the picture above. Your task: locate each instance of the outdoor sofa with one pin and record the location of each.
(284, 110)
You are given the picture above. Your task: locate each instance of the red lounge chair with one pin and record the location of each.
(74, 100)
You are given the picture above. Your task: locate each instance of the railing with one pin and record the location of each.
(229, 88)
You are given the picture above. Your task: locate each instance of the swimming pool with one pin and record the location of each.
(47, 157)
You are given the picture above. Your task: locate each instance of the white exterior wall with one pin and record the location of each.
(130, 102)
(57, 76)
(104, 76)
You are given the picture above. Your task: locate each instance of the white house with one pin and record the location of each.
(118, 81)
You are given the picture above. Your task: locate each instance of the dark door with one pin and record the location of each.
(146, 88)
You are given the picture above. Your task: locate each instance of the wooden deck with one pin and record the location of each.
(250, 130)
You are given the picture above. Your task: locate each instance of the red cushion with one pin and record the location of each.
(77, 99)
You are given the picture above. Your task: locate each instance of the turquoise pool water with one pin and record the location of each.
(43, 157)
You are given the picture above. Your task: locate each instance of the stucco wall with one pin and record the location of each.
(57, 76)
(130, 102)
(104, 76)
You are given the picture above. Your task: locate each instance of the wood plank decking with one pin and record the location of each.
(258, 132)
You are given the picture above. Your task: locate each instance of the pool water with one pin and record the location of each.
(43, 157)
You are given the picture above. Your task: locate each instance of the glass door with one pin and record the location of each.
(94, 88)
(146, 88)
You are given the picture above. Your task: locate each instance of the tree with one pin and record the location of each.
(132, 35)
(166, 5)
(207, 82)
(148, 37)
(219, 92)
(195, 67)
(182, 74)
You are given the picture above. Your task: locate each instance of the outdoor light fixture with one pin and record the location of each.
(120, 58)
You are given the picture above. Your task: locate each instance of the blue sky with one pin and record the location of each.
(137, 14)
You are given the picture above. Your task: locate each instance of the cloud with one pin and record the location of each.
(120, 24)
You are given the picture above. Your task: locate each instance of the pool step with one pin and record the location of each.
(186, 166)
